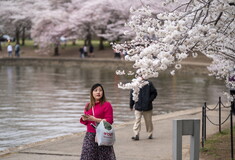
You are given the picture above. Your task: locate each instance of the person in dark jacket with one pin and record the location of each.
(17, 50)
(143, 107)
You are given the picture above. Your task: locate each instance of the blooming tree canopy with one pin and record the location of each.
(79, 19)
(48, 20)
(14, 17)
(166, 38)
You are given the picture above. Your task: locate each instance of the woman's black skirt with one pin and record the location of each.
(91, 150)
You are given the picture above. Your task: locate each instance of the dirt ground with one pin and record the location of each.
(217, 147)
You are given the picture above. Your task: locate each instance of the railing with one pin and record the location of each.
(205, 118)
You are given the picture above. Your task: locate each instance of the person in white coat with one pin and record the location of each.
(9, 50)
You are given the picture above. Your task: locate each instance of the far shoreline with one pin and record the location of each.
(105, 63)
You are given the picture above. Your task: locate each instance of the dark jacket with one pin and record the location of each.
(146, 96)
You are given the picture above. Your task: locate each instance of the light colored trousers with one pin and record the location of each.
(148, 122)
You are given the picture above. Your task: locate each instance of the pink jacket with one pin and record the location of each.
(104, 111)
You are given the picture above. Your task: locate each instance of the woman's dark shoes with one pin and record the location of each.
(135, 138)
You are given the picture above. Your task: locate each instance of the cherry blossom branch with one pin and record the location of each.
(204, 26)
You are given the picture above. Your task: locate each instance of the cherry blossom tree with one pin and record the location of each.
(48, 29)
(102, 18)
(10, 17)
(52, 23)
(16, 16)
(121, 14)
(165, 39)
(73, 19)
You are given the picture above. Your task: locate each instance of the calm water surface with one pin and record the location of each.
(38, 103)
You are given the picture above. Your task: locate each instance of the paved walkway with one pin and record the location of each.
(158, 148)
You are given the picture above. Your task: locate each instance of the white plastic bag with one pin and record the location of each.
(105, 135)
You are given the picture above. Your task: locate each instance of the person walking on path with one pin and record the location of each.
(97, 110)
(17, 50)
(143, 107)
(9, 50)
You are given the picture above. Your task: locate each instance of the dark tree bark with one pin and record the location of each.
(74, 42)
(17, 34)
(87, 41)
(101, 45)
(23, 37)
(56, 50)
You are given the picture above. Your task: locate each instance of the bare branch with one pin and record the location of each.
(231, 4)
(231, 49)
(194, 19)
(199, 17)
(188, 5)
(231, 57)
(191, 12)
(185, 4)
(218, 18)
(207, 12)
(228, 25)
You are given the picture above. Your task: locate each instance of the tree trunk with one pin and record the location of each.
(23, 36)
(74, 42)
(101, 45)
(17, 33)
(87, 41)
(0, 46)
(56, 50)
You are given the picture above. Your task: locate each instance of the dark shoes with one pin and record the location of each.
(135, 138)
(150, 137)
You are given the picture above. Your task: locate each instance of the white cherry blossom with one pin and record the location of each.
(166, 38)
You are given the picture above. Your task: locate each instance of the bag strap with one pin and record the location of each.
(93, 112)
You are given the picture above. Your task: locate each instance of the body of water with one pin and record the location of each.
(38, 103)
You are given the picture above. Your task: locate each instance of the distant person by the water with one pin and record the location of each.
(117, 54)
(91, 51)
(123, 54)
(85, 50)
(9, 50)
(81, 52)
(17, 50)
(0, 46)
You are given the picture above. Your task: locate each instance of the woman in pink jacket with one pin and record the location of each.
(102, 111)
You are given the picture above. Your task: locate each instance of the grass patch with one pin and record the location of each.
(95, 43)
(218, 146)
